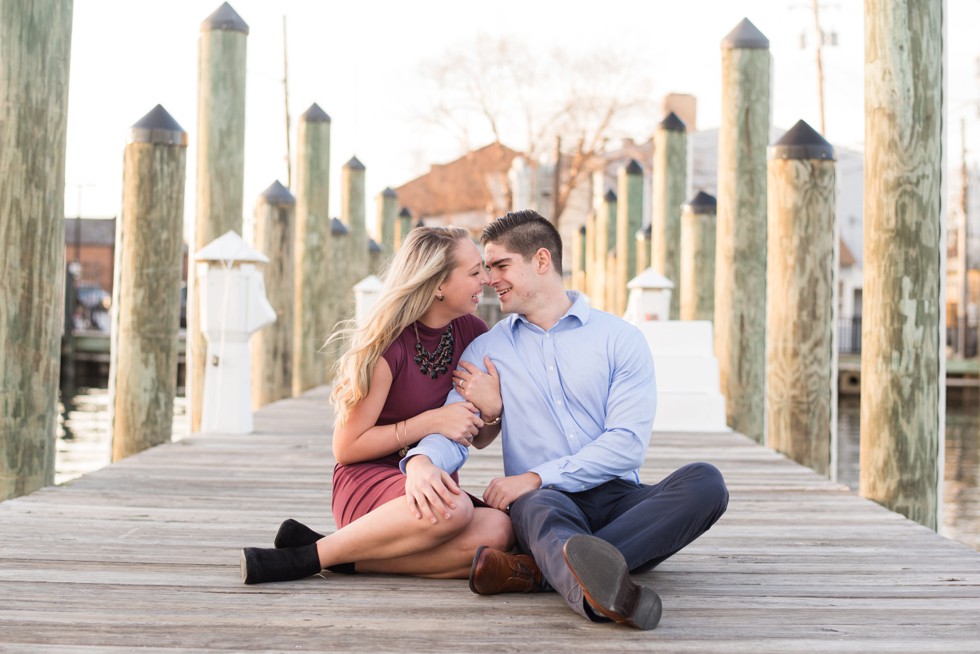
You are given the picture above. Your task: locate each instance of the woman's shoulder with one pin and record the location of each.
(394, 354)
(468, 327)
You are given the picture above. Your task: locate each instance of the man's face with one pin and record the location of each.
(513, 278)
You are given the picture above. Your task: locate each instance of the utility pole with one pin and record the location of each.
(285, 94)
(816, 24)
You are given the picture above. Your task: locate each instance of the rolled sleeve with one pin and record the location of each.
(444, 453)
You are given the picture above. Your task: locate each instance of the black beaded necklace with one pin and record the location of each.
(436, 363)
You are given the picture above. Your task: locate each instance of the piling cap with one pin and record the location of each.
(747, 36)
(802, 142)
(373, 247)
(277, 194)
(158, 127)
(581, 230)
(405, 213)
(673, 123)
(634, 168)
(337, 228)
(645, 232)
(354, 164)
(315, 115)
(389, 193)
(224, 18)
(702, 203)
(610, 196)
(420, 223)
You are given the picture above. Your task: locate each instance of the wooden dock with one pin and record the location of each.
(144, 554)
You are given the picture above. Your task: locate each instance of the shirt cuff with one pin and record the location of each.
(444, 453)
(549, 473)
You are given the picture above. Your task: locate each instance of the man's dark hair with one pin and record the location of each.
(525, 232)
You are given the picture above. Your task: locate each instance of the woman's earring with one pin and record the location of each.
(440, 297)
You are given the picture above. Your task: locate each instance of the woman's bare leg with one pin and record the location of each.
(391, 532)
(450, 559)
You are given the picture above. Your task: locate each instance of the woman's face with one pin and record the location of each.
(464, 287)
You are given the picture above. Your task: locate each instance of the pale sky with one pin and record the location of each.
(360, 62)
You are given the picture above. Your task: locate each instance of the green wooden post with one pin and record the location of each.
(902, 338)
(35, 49)
(698, 258)
(146, 285)
(643, 236)
(313, 276)
(590, 260)
(740, 265)
(801, 344)
(602, 284)
(337, 293)
(578, 259)
(669, 189)
(272, 346)
(628, 218)
(387, 216)
(220, 164)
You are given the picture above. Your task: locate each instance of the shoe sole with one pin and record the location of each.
(601, 571)
(244, 569)
(476, 557)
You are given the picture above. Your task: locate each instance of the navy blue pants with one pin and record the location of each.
(646, 523)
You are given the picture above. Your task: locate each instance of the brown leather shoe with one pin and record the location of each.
(604, 576)
(495, 572)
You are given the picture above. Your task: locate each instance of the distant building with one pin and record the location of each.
(91, 243)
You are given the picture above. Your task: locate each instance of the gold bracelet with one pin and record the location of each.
(495, 421)
(397, 439)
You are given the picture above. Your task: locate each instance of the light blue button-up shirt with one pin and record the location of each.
(579, 399)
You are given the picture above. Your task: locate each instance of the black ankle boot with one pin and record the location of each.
(261, 565)
(295, 534)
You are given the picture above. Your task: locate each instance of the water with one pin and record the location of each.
(84, 445)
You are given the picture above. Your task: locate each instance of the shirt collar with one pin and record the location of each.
(579, 310)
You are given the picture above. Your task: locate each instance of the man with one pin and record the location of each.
(579, 397)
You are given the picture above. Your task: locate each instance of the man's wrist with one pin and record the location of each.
(416, 457)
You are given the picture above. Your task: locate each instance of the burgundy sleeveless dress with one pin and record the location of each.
(359, 488)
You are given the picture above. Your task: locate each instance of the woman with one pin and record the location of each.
(389, 393)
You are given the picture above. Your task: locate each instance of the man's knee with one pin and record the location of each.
(709, 486)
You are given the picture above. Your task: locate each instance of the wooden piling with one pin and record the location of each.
(698, 258)
(146, 285)
(272, 346)
(352, 213)
(387, 216)
(35, 49)
(801, 318)
(220, 165)
(590, 258)
(313, 275)
(902, 339)
(669, 191)
(376, 257)
(602, 284)
(740, 264)
(338, 295)
(578, 259)
(628, 218)
(643, 236)
(403, 227)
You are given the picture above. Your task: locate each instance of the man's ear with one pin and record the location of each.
(542, 260)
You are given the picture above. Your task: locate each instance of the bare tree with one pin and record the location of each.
(502, 90)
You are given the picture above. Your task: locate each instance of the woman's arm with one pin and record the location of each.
(483, 390)
(361, 439)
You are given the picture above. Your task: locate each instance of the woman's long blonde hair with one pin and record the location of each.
(423, 262)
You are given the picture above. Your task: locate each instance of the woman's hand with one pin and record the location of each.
(480, 388)
(429, 490)
(459, 422)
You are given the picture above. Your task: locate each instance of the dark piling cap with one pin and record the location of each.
(354, 164)
(337, 228)
(277, 194)
(702, 203)
(158, 127)
(802, 142)
(373, 247)
(634, 168)
(315, 115)
(673, 123)
(405, 213)
(420, 223)
(224, 18)
(389, 193)
(645, 233)
(747, 36)
(581, 230)
(610, 196)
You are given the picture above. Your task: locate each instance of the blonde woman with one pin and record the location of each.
(389, 392)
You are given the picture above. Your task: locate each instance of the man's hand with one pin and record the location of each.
(429, 490)
(503, 491)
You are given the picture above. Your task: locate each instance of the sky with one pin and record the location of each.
(360, 61)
